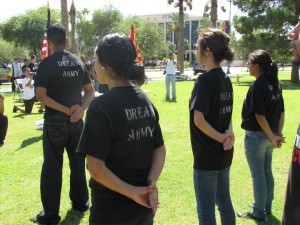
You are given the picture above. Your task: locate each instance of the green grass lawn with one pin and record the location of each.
(21, 159)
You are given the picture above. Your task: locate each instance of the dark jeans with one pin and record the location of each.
(3, 127)
(29, 105)
(57, 136)
(144, 220)
(212, 188)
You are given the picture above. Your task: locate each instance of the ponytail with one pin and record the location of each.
(272, 75)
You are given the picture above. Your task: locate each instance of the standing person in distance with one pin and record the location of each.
(294, 34)
(211, 132)
(16, 73)
(262, 120)
(170, 77)
(60, 79)
(122, 140)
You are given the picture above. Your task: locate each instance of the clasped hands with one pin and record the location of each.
(76, 113)
(229, 140)
(147, 196)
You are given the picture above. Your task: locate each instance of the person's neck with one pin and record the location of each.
(57, 48)
(212, 65)
(118, 83)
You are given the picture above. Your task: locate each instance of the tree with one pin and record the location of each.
(211, 10)
(86, 33)
(27, 30)
(8, 51)
(150, 36)
(73, 26)
(180, 47)
(106, 19)
(64, 14)
(266, 27)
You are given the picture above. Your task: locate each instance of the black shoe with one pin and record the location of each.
(174, 100)
(249, 215)
(168, 99)
(35, 219)
(15, 109)
(267, 212)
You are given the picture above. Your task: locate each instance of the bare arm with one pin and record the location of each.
(1, 103)
(158, 161)
(294, 33)
(106, 177)
(206, 128)
(281, 122)
(28, 84)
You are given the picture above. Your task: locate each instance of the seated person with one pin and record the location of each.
(28, 93)
(3, 121)
(294, 34)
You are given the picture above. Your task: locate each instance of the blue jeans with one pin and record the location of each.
(170, 79)
(211, 188)
(57, 136)
(259, 150)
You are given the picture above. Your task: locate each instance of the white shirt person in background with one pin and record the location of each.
(170, 77)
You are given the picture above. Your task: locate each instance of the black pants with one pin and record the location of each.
(58, 136)
(3, 127)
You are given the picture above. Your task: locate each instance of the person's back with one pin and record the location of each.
(60, 79)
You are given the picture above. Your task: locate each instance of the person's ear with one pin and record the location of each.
(66, 41)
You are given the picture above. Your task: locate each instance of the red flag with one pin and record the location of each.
(138, 51)
(45, 48)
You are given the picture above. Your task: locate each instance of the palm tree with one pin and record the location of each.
(212, 5)
(180, 47)
(64, 14)
(72, 18)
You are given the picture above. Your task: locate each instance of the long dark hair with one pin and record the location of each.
(217, 42)
(117, 51)
(267, 66)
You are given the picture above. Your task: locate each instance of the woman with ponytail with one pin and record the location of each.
(122, 140)
(211, 131)
(263, 120)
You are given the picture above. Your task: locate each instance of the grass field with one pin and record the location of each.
(21, 159)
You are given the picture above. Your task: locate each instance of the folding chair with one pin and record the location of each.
(19, 88)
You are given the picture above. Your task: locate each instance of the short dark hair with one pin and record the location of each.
(57, 34)
(33, 56)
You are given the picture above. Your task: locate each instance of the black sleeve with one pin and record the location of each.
(95, 140)
(158, 138)
(42, 75)
(258, 100)
(201, 97)
(86, 78)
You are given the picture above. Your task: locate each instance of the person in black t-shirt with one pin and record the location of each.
(122, 140)
(263, 120)
(211, 132)
(60, 80)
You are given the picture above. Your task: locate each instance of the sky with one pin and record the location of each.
(127, 7)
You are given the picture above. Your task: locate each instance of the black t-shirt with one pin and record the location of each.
(291, 213)
(122, 129)
(261, 100)
(63, 75)
(213, 96)
(32, 67)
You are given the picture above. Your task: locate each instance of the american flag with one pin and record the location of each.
(45, 48)
(138, 51)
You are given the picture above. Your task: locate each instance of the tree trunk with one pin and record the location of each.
(73, 27)
(64, 14)
(214, 13)
(180, 50)
(295, 69)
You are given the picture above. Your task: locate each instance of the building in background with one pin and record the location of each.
(190, 30)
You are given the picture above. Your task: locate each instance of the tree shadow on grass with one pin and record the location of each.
(30, 141)
(73, 217)
(288, 85)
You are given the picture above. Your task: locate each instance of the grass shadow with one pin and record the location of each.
(288, 85)
(30, 141)
(273, 220)
(73, 217)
